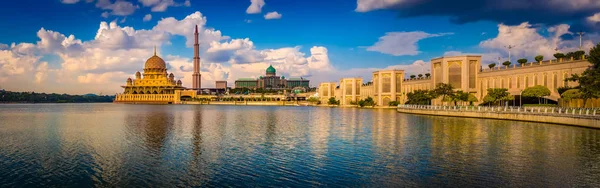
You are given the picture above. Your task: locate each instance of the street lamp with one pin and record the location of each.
(509, 47)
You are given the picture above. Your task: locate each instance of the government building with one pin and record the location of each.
(463, 73)
(271, 81)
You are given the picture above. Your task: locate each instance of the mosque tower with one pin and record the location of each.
(196, 77)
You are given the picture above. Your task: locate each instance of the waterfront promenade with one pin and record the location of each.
(585, 117)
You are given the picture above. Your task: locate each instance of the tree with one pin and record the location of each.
(458, 96)
(506, 63)
(589, 80)
(443, 90)
(332, 101)
(571, 94)
(422, 97)
(393, 103)
(310, 99)
(522, 61)
(427, 75)
(561, 90)
(577, 55)
(471, 99)
(539, 58)
(496, 95)
(559, 55)
(492, 65)
(367, 102)
(420, 75)
(538, 91)
(412, 76)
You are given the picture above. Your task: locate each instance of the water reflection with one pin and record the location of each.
(177, 145)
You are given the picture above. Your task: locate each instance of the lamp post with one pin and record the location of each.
(580, 33)
(520, 98)
(509, 47)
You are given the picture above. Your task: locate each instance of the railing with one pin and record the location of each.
(581, 112)
(145, 98)
(529, 64)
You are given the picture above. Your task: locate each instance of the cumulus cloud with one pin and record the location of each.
(162, 5)
(272, 15)
(401, 43)
(255, 6)
(509, 12)
(147, 17)
(528, 42)
(119, 7)
(69, 1)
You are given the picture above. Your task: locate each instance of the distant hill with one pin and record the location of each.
(32, 97)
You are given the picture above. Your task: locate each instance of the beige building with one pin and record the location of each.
(463, 73)
(221, 84)
(350, 90)
(326, 91)
(387, 86)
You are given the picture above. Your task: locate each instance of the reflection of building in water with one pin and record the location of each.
(463, 73)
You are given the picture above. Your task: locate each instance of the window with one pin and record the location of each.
(358, 83)
(565, 78)
(510, 83)
(518, 82)
(545, 79)
(526, 82)
(437, 73)
(454, 71)
(555, 84)
(535, 80)
(502, 83)
(376, 83)
(386, 85)
(348, 87)
(472, 74)
(399, 78)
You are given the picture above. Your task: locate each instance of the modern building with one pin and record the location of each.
(271, 81)
(196, 76)
(326, 90)
(463, 73)
(221, 84)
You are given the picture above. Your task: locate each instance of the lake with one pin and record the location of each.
(108, 145)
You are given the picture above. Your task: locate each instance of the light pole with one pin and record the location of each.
(580, 33)
(520, 98)
(509, 47)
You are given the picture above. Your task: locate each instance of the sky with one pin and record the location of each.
(93, 46)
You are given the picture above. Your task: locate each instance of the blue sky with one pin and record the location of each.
(348, 30)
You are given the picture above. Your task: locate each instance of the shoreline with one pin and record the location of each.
(579, 121)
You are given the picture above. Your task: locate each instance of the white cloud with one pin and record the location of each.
(119, 8)
(401, 43)
(255, 6)
(369, 5)
(594, 18)
(529, 43)
(272, 15)
(69, 1)
(162, 5)
(147, 17)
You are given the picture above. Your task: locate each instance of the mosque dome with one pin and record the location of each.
(179, 82)
(171, 75)
(270, 69)
(155, 62)
(129, 80)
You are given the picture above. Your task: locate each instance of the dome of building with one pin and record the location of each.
(270, 69)
(282, 77)
(171, 75)
(179, 82)
(155, 62)
(129, 80)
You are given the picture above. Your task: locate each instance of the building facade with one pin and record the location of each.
(463, 73)
(271, 81)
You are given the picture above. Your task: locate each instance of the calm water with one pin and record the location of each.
(106, 145)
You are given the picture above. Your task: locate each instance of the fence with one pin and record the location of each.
(558, 111)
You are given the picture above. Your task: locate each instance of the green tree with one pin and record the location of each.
(412, 76)
(443, 90)
(497, 95)
(538, 91)
(471, 99)
(458, 96)
(491, 66)
(420, 75)
(522, 61)
(561, 90)
(577, 55)
(422, 97)
(366, 102)
(559, 55)
(571, 94)
(589, 80)
(393, 103)
(310, 99)
(427, 75)
(506, 63)
(539, 58)
(332, 101)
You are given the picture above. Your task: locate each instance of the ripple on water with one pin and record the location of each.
(112, 145)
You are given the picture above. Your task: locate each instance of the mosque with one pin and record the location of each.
(156, 86)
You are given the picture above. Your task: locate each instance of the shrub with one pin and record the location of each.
(506, 63)
(559, 55)
(393, 103)
(492, 65)
(539, 58)
(522, 61)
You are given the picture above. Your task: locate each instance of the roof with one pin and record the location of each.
(271, 69)
(297, 79)
(245, 79)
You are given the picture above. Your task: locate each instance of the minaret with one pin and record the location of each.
(197, 78)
